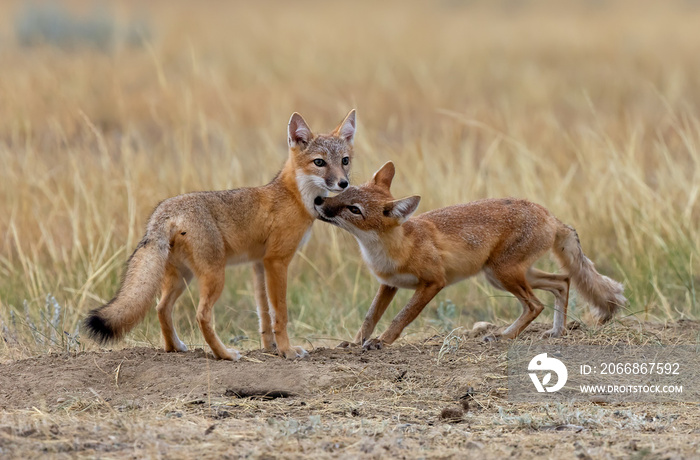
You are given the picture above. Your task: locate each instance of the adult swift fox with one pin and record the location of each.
(501, 237)
(198, 234)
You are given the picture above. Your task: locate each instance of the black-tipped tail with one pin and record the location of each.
(142, 279)
(98, 329)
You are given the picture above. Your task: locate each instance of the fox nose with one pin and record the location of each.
(318, 201)
(343, 183)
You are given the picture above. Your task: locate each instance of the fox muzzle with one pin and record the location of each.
(326, 210)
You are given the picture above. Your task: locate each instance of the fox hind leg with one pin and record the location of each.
(174, 284)
(515, 282)
(211, 284)
(557, 284)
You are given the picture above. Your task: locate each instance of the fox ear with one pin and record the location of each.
(298, 132)
(402, 209)
(346, 130)
(385, 175)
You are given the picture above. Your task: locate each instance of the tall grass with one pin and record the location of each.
(590, 109)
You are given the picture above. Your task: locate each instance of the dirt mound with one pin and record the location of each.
(144, 402)
(150, 377)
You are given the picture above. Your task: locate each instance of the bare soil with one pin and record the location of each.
(143, 402)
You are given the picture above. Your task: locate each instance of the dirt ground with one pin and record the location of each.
(143, 402)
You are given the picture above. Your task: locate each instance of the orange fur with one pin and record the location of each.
(501, 237)
(198, 234)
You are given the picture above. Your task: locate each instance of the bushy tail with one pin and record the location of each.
(605, 295)
(142, 279)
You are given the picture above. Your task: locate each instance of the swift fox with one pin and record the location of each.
(501, 237)
(198, 234)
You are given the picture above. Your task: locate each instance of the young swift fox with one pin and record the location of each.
(501, 237)
(198, 234)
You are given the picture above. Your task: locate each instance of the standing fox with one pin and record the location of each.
(501, 237)
(200, 233)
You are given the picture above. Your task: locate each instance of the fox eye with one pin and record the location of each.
(354, 209)
(346, 161)
(319, 162)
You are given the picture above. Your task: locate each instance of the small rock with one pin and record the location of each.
(451, 414)
(482, 326)
(221, 414)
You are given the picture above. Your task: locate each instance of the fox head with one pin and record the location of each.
(369, 207)
(321, 161)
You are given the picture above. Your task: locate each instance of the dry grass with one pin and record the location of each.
(267, 431)
(588, 108)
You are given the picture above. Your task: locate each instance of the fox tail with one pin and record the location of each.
(140, 284)
(604, 294)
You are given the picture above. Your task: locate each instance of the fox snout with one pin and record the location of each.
(325, 210)
(335, 182)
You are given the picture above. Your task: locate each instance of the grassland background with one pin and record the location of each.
(589, 108)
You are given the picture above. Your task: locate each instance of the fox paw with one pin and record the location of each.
(293, 353)
(373, 344)
(176, 346)
(268, 341)
(346, 344)
(229, 354)
(552, 333)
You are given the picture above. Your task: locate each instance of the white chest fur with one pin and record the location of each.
(373, 252)
(311, 187)
(379, 261)
(304, 239)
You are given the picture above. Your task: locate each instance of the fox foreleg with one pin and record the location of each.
(267, 336)
(423, 295)
(381, 302)
(276, 282)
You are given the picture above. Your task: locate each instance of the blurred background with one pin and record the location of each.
(106, 108)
